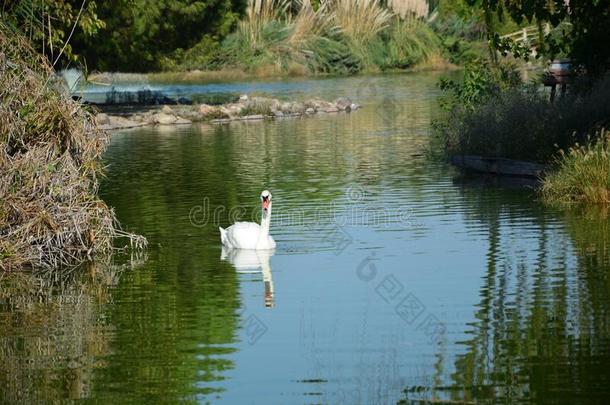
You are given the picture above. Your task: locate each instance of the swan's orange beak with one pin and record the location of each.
(265, 204)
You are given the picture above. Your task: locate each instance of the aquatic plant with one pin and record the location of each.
(50, 154)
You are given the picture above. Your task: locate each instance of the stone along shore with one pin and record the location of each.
(246, 108)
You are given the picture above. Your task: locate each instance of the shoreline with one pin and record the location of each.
(236, 75)
(245, 109)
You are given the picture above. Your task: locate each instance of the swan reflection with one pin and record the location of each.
(252, 261)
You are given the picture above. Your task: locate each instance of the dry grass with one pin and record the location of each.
(409, 8)
(259, 14)
(360, 20)
(50, 153)
(308, 24)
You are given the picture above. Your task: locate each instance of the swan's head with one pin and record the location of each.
(266, 200)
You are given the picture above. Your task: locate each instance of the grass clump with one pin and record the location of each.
(407, 43)
(257, 107)
(50, 152)
(582, 174)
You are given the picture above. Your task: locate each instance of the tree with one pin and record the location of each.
(585, 41)
(143, 35)
(50, 24)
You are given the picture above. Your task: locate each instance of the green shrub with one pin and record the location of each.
(407, 43)
(582, 174)
(517, 124)
(491, 114)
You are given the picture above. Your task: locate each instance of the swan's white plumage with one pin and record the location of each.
(250, 235)
(245, 235)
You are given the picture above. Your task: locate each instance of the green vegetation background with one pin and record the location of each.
(146, 35)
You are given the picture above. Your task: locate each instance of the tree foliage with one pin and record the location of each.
(585, 41)
(142, 35)
(49, 24)
(126, 35)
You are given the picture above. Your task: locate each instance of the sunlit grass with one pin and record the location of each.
(360, 20)
(582, 174)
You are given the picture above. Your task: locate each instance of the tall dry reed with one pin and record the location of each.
(360, 20)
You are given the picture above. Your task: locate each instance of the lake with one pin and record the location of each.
(395, 278)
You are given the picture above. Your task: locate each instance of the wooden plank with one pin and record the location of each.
(498, 165)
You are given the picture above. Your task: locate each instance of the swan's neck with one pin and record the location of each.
(266, 222)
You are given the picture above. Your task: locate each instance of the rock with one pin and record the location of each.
(102, 119)
(232, 110)
(317, 104)
(207, 109)
(182, 121)
(298, 108)
(164, 119)
(329, 109)
(275, 104)
(192, 115)
(324, 106)
(293, 108)
(118, 122)
(242, 110)
(253, 117)
(147, 118)
(343, 103)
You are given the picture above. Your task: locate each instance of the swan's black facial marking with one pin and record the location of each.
(265, 201)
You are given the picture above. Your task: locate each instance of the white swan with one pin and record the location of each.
(250, 235)
(252, 261)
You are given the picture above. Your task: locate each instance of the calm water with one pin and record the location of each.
(395, 280)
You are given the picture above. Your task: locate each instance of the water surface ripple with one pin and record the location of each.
(395, 279)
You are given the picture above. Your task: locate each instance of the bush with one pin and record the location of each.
(491, 114)
(407, 43)
(582, 174)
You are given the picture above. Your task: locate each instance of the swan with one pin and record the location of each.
(250, 235)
